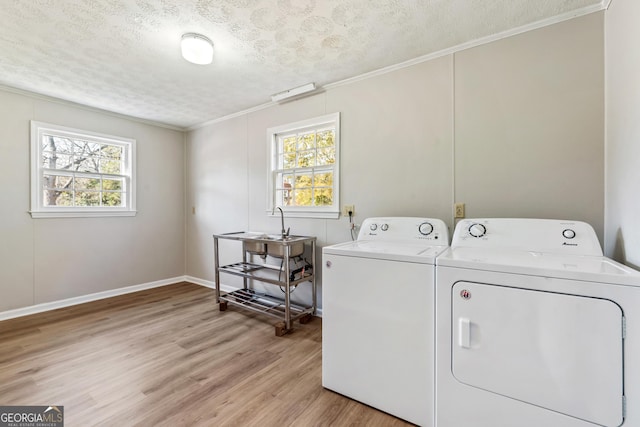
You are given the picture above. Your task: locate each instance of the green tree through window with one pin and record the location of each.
(80, 173)
(306, 174)
(303, 176)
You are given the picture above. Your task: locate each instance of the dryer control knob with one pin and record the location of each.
(425, 228)
(373, 227)
(384, 227)
(477, 230)
(569, 233)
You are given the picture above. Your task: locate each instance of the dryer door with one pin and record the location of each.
(556, 351)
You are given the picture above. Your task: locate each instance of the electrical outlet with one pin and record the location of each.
(459, 210)
(348, 208)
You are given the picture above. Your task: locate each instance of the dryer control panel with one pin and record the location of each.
(405, 228)
(533, 235)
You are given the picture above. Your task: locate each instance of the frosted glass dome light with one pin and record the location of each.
(197, 48)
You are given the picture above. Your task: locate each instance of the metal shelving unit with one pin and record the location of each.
(280, 308)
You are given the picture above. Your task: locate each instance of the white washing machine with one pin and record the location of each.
(378, 315)
(534, 327)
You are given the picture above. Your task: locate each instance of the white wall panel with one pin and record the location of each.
(396, 144)
(529, 124)
(16, 230)
(45, 260)
(622, 237)
(217, 190)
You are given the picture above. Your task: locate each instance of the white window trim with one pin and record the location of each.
(40, 211)
(327, 212)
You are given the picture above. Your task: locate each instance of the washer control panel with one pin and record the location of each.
(425, 228)
(534, 235)
(477, 230)
(405, 228)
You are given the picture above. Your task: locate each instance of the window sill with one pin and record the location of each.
(80, 214)
(306, 214)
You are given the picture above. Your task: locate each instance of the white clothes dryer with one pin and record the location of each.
(535, 327)
(378, 315)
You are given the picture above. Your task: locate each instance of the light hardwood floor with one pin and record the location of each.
(168, 356)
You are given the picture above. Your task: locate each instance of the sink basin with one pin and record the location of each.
(256, 248)
(275, 249)
(272, 237)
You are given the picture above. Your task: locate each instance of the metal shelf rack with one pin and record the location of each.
(280, 308)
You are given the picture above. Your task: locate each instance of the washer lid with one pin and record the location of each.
(393, 250)
(574, 267)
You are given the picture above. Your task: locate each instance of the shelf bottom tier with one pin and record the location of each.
(264, 303)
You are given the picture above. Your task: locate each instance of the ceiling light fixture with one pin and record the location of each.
(293, 92)
(197, 48)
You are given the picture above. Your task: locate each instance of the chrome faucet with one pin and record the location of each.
(285, 233)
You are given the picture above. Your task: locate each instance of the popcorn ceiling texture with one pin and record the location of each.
(124, 55)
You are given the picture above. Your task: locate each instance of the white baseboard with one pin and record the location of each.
(48, 306)
(209, 284)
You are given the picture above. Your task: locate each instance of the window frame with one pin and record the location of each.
(39, 210)
(327, 212)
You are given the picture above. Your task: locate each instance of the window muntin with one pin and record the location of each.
(304, 167)
(78, 173)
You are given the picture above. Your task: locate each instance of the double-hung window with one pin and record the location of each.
(304, 167)
(76, 173)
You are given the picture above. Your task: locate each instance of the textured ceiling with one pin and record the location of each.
(124, 55)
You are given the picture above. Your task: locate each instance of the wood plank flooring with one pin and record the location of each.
(169, 357)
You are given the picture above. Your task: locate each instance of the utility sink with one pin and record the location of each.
(271, 244)
(277, 250)
(272, 237)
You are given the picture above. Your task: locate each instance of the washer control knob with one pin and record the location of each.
(477, 230)
(569, 233)
(384, 227)
(373, 227)
(425, 228)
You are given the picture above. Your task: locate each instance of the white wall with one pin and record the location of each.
(396, 160)
(622, 237)
(45, 260)
(512, 128)
(530, 124)
(217, 191)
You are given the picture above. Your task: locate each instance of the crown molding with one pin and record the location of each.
(458, 48)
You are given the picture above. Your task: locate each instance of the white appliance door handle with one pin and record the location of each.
(464, 332)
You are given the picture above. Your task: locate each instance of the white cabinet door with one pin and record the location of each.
(556, 351)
